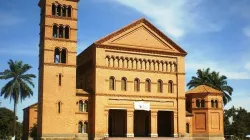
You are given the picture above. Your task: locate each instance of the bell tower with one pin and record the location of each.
(57, 69)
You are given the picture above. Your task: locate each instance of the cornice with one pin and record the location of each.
(53, 51)
(140, 96)
(126, 69)
(139, 50)
(59, 39)
(60, 17)
(205, 108)
(60, 65)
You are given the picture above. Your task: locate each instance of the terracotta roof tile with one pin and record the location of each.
(203, 89)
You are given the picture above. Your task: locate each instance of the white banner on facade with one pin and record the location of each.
(140, 105)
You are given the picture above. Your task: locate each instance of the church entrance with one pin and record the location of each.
(142, 123)
(165, 123)
(117, 126)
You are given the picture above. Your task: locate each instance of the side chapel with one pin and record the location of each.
(130, 83)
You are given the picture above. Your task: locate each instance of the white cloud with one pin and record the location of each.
(176, 17)
(246, 31)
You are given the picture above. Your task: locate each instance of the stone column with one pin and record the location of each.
(130, 123)
(154, 132)
(175, 124)
(106, 115)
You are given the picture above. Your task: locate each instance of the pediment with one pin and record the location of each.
(141, 35)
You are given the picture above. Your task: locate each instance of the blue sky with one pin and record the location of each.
(215, 34)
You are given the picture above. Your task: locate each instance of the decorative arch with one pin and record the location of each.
(55, 29)
(111, 83)
(148, 85)
(124, 84)
(64, 55)
(170, 86)
(80, 127)
(137, 84)
(53, 9)
(69, 11)
(159, 86)
(57, 58)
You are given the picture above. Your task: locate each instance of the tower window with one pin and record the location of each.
(69, 11)
(61, 32)
(67, 32)
(53, 9)
(85, 105)
(112, 83)
(60, 80)
(147, 85)
(64, 10)
(63, 55)
(59, 107)
(59, 10)
(159, 86)
(55, 29)
(57, 56)
(60, 56)
(124, 84)
(137, 84)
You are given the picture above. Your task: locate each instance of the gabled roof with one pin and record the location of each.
(128, 37)
(203, 89)
(33, 105)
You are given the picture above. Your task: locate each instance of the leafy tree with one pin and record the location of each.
(236, 122)
(214, 80)
(18, 86)
(33, 131)
(6, 121)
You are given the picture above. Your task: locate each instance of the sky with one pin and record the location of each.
(216, 34)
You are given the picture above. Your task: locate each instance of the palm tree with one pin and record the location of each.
(214, 80)
(18, 86)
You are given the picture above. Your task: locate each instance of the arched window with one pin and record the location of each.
(85, 127)
(159, 86)
(212, 104)
(55, 28)
(61, 31)
(64, 11)
(63, 56)
(198, 105)
(59, 10)
(85, 106)
(216, 103)
(147, 85)
(137, 85)
(202, 103)
(80, 127)
(80, 106)
(111, 83)
(124, 84)
(57, 56)
(187, 127)
(67, 32)
(69, 11)
(53, 9)
(170, 87)
(59, 107)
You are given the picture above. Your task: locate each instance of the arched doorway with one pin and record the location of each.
(142, 123)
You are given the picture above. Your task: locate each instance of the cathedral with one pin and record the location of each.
(130, 83)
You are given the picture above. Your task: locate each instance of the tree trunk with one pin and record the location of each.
(14, 121)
